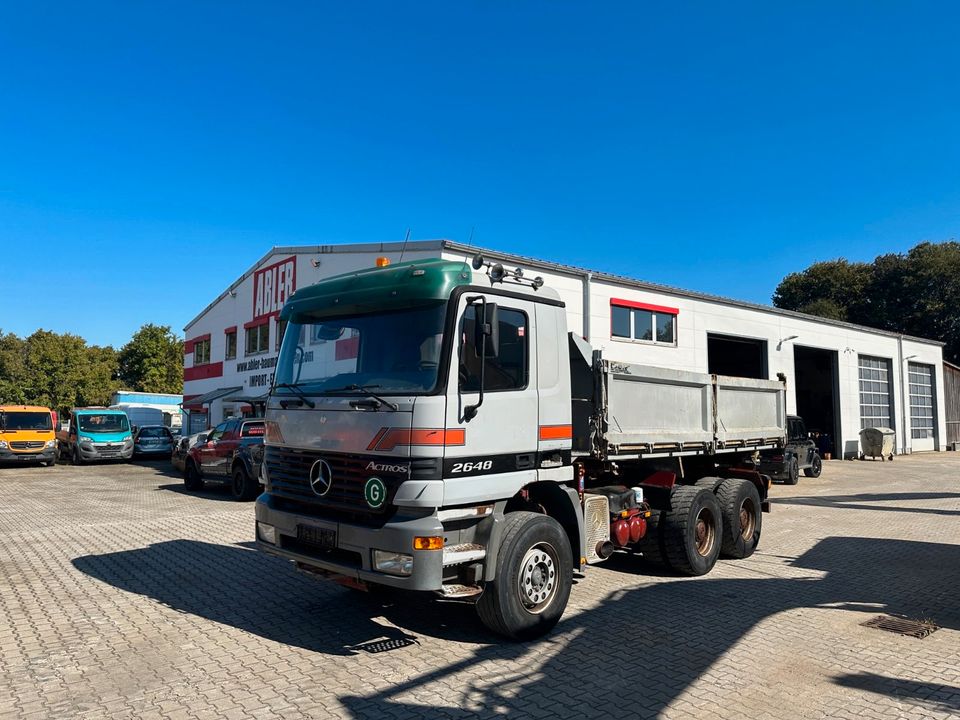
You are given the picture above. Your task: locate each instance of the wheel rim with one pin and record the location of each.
(706, 533)
(537, 583)
(748, 519)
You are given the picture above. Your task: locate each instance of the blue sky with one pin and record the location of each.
(150, 153)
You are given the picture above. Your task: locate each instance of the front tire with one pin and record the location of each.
(533, 579)
(191, 478)
(76, 458)
(816, 467)
(243, 486)
(692, 530)
(742, 520)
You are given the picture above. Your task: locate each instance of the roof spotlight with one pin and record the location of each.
(497, 273)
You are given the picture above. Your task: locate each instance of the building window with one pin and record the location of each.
(201, 352)
(875, 407)
(921, 400)
(258, 338)
(643, 323)
(507, 371)
(231, 346)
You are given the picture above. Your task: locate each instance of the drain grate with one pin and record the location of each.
(902, 625)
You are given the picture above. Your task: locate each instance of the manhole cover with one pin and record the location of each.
(902, 625)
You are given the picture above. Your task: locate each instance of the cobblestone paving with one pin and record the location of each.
(122, 596)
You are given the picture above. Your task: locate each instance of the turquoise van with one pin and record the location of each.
(96, 434)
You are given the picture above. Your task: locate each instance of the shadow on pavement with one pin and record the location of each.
(642, 646)
(211, 491)
(939, 698)
(860, 502)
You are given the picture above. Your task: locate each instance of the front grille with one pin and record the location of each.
(289, 472)
(109, 450)
(27, 444)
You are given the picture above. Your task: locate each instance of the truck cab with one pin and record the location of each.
(27, 435)
(96, 434)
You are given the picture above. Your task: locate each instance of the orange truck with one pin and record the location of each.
(27, 435)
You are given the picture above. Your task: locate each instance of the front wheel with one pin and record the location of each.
(533, 579)
(76, 458)
(191, 478)
(816, 467)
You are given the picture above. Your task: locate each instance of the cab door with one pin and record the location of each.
(208, 451)
(491, 448)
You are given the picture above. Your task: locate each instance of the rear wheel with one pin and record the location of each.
(742, 519)
(692, 530)
(243, 486)
(191, 478)
(816, 467)
(534, 574)
(793, 472)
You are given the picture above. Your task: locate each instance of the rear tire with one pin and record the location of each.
(533, 579)
(243, 486)
(692, 530)
(191, 478)
(793, 473)
(816, 467)
(742, 519)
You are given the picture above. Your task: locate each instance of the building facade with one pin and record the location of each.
(840, 377)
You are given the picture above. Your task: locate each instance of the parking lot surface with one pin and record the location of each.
(121, 595)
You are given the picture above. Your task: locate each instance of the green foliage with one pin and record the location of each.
(61, 371)
(152, 361)
(917, 293)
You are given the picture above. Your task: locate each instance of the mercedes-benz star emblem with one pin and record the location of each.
(321, 478)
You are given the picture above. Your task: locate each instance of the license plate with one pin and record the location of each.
(320, 537)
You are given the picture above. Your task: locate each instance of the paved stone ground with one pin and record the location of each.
(123, 597)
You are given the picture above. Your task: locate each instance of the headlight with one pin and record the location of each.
(51, 443)
(392, 563)
(86, 439)
(3, 444)
(128, 440)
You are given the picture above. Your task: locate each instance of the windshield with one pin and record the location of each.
(26, 421)
(392, 352)
(103, 423)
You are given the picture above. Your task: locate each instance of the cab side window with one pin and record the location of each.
(507, 371)
(217, 432)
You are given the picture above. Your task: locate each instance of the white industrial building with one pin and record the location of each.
(840, 377)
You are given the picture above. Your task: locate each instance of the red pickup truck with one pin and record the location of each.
(230, 453)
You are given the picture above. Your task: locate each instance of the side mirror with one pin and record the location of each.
(488, 326)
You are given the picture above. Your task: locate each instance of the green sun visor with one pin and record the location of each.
(394, 287)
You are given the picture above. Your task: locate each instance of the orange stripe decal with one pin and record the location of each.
(389, 438)
(556, 432)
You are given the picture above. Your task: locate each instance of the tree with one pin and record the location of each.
(915, 294)
(152, 361)
(12, 369)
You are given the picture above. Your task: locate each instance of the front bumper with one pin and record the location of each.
(153, 450)
(44, 455)
(105, 451)
(352, 557)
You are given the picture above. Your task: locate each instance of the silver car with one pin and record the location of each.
(153, 440)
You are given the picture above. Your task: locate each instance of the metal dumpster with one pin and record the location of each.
(877, 442)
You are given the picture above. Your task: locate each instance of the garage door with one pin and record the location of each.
(875, 410)
(922, 418)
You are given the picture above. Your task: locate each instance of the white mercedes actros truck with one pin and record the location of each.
(433, 426)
